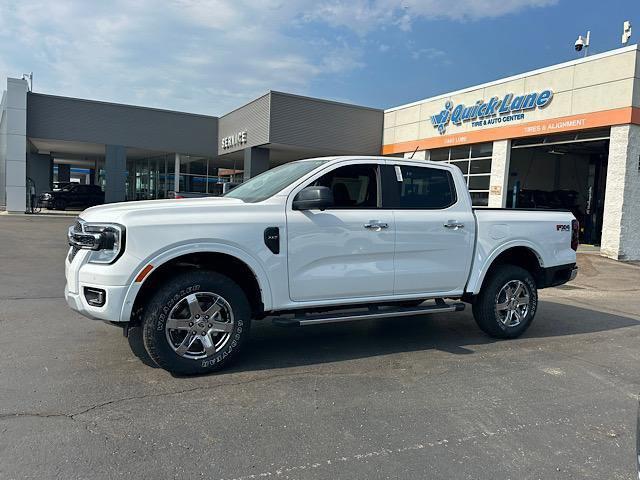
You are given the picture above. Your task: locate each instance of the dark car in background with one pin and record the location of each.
(72, 195)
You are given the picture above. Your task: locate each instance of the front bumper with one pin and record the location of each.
(114, 279)
(109, 312)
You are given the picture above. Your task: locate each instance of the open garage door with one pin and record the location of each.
(565, 171)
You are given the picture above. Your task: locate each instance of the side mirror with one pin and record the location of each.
(313, 197)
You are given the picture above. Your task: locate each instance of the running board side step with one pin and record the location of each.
(373, 312)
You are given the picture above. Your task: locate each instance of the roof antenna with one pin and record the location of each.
(414, 152)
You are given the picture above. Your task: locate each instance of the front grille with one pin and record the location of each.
(72, 254)
(77, 227)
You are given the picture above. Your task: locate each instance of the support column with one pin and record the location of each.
(621, 220)
(256, 161)
(13, 146)
(92, 176)
(176, 173)
(115, 169)
(64, 172)
(499, 182)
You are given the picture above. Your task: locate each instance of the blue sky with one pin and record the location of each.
(210, 56)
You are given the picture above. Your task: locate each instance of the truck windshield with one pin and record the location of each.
(272, 181)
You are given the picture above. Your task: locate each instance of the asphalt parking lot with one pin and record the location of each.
(428, 397)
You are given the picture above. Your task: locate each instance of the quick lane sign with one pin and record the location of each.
(235, 140)
(495, 111)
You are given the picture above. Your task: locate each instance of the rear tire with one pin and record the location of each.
(507, 302)
(196, 323)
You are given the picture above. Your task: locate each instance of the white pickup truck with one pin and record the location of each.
(310, 242)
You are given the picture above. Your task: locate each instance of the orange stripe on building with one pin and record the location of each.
(605, 118)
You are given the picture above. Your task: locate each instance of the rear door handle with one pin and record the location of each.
(453, 224)
(376, 225)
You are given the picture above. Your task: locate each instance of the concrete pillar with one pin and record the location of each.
(64, 172)
(176, 173)
(13, 146)
(621, 221)
(499, 181)
(115, 169)
(256, 161)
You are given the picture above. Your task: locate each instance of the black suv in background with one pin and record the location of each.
(72, 195)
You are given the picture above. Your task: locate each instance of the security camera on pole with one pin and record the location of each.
(583, 43)
(626, 32)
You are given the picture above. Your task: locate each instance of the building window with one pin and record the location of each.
(474, 161)
(198, 175)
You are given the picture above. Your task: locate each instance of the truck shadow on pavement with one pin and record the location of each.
(272, 347)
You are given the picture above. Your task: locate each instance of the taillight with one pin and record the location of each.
(575, 230)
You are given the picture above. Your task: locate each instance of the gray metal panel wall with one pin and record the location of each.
(40, 170)
(252, 117)
(312, 123)
(62, 118)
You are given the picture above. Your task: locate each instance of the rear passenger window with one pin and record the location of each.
(423, 187)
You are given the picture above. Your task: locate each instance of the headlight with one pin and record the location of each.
(46, 196)
(106, 240)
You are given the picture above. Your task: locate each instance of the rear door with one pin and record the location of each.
(347, 250)
(434, 228)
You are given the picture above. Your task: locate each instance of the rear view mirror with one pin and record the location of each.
(313, 197)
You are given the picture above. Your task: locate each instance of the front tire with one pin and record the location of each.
(507, 302)
(196, 323)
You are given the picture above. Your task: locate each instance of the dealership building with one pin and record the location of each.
(565, 136)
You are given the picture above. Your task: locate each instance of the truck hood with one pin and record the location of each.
(115, 212)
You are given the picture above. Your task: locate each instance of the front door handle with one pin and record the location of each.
(453, 224)
(376, 225)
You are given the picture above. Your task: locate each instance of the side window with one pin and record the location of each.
(424, 188)
(353, 186)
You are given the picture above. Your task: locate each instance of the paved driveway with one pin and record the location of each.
(403, 398)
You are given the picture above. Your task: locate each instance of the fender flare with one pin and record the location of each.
(200, 246)
(476, 280)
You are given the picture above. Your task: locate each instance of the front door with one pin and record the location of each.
(434, 229)
(345, 251)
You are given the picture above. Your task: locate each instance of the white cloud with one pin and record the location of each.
(426, 53)
(363, 16)
(205, 56)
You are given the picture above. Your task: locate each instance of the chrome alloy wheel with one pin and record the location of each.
(512, 303)
(199, 325)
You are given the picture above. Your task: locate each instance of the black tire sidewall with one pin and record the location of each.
(484, 309)
(158, 309)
